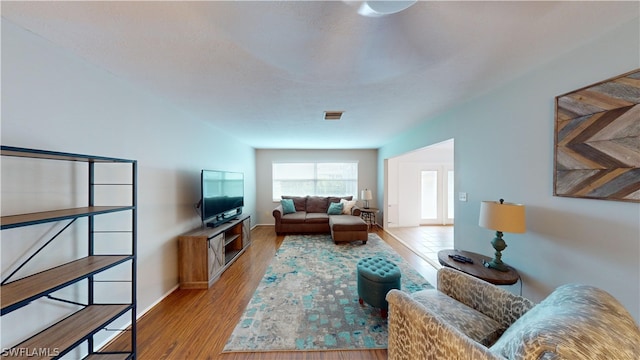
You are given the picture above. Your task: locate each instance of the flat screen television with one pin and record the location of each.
(222, 196)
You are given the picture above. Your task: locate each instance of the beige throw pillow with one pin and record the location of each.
(347, 205)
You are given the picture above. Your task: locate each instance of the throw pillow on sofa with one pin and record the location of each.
(335, 209)
(347, 205)
(287, 206)
(574, 322)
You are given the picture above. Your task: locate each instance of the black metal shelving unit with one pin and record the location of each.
(81, 326)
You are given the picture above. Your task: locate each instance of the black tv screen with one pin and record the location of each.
(222, 196)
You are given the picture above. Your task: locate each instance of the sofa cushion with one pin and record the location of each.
(574, 322)
(287, 206)
(317, 204)
(317, 218)
(334, 209)
(347, 223)
(468, 321)
(297, 217)
(338, 199)
(299, 201)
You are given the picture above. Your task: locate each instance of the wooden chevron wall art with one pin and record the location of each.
(597, 140)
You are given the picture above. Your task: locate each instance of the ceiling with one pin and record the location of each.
(266, 71)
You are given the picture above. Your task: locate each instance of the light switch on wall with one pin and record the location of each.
(462, 196)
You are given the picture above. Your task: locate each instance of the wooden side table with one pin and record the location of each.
(477, 269)
(369, 215)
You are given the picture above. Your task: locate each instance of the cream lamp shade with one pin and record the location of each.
(501, 217)
(505, 217)
(366, 196)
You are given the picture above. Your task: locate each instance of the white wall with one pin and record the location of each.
(367, 171)
(56, 101)
(404, 202)
(504, 149)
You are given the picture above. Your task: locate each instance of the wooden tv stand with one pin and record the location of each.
(204, 253)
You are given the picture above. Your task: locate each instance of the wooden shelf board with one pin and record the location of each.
(229, 239)
(73, 329)
(54, 155)
(20, 292)
(76, 328)
(230, 255)
(13, 221)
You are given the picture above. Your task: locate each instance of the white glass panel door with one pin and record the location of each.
(429, 196)
(450, 198)
(436, 196)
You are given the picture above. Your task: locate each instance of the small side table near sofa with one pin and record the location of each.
(369, 216)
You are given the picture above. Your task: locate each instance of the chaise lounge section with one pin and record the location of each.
(347, 228)
(311, 217)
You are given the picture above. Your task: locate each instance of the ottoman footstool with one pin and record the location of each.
(346, 228)
(376, 276)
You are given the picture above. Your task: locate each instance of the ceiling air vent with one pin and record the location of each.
(333, 115)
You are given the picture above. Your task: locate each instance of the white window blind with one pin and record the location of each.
(315, 179)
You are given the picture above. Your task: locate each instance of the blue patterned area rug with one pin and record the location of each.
(308, 299)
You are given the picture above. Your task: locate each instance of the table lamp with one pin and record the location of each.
(501, 217)
(366, 196)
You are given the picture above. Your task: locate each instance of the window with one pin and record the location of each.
(318, 179)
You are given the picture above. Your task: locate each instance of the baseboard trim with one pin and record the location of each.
(422, 256)
(150, 307)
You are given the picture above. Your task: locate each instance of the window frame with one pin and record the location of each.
(315, 179)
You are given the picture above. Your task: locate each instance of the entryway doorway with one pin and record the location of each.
(419, 199)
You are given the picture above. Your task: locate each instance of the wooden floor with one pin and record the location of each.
(195, 324)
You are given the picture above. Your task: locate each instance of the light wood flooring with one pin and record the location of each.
(195, 324)
(425, 240)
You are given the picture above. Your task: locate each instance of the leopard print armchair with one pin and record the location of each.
(468, 318)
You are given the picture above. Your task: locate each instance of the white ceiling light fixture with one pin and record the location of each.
(382, 8)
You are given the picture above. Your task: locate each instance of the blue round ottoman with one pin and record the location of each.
(376, 276)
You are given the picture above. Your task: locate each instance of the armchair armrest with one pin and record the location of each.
(417, 333)
(503, 306)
